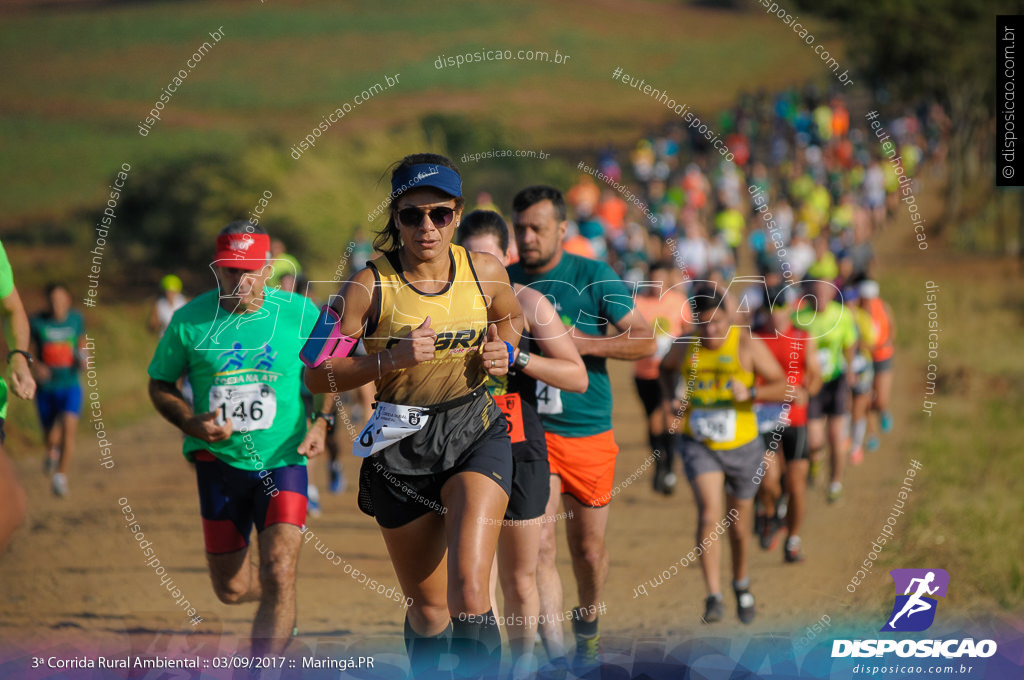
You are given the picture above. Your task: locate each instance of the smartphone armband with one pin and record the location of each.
(326, 341)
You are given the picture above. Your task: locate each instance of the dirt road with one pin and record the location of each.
(75, 576)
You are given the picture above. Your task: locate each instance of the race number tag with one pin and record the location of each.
(549, 399)
(860, 363)
(770, 415)
(716, 425)
(512, 406)
(663, 343)
(825, 359)
(248, 407)
(389, 423)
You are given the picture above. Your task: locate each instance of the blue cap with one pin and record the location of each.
(426, 175)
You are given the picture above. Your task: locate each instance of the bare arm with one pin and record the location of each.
(561, 365)
(669, 376)
(812, 368)
(16, 331)
(504, 309)
(170, 403)
(503, 312)
(341, 374)
(765, 367)
(634, 341)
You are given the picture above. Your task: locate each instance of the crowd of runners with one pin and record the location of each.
(475, 348)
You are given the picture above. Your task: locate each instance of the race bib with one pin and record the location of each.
(828, 366)
(716, 425)
(248, 407)
(860, 363)
(663, 343)
(512, 406)
(389, 423)
(770, 415)
(549, 399)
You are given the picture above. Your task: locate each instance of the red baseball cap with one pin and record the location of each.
(242, 251)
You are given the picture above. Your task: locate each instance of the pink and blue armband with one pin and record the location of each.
(326, 341)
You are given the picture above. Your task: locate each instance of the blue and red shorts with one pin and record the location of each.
(54, 402)
(231, 500)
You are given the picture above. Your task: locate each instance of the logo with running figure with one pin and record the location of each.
(914, 610)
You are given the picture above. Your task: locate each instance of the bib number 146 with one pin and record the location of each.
(248, 407)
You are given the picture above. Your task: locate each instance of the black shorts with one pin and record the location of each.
(397, 499)
(883, 365)
(792, 440)
(650, 393)
(832, 400)
(531, 485)
(3, 435)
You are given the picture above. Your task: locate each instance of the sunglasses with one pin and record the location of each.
(413, 217)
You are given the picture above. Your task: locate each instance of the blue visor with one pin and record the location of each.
(426, 175)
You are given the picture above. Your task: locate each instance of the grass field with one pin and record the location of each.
(78, 82)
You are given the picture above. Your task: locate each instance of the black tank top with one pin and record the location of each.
(530, 445)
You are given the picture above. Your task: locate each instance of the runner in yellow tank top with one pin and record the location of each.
(458, 315)
(713, 414)
(717, 371)
(435, 321)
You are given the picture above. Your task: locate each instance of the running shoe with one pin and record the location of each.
(668, 484)
(857, 456)
(338, 482)
(873, 443)
(813, 470)
(60, 484)
(588, 647)
(769, 534)
(50, 462)
(555, 669)
(835, 490)
(886, 421)
(714, 609)
(745, 609)
(793, 554)
(313, 505)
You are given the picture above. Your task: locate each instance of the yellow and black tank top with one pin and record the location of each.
(712, 415)
(458, 314)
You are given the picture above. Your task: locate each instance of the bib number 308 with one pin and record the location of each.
(248, 407)
(717, 425)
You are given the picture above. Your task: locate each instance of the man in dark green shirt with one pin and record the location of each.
(589, 297)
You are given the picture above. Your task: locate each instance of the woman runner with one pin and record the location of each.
(436, 321)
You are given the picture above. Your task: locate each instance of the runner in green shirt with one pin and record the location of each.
(16, 331)
(239, 347)
(835, 331)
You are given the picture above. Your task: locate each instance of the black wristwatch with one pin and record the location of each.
(27, 355)
(327, 418)
(521, 360)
